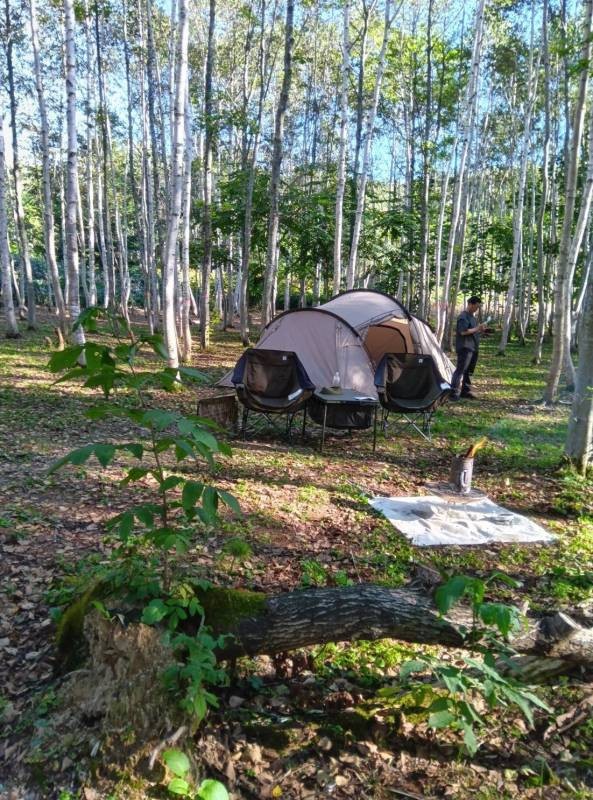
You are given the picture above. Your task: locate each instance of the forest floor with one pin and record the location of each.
(314, 725)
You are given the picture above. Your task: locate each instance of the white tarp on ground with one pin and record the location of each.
(433, 520)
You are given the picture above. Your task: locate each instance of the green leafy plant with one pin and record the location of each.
(450, 696)
(238, 549)
(178, 765)
(313, 573)
(149, 537)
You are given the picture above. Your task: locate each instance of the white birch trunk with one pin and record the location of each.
(72, 176)
(545, 191)
(518, 211)
(341, 175)
(466, 125)
(48, 213)
(563, 283)
(366, 158)
(16, 176)
(176, 190)
(186, 294)
(207, 219)
(579, 440)
(270, 274)
(10, 321)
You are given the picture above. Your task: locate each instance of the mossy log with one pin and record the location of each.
(317, 616)
(262, 624)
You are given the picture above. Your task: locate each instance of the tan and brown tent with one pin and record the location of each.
(349, 335)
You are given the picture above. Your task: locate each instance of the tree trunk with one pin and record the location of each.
(72, 178)
(361, 189)
(16, 175)
(12, 329)
(90, 184)
(563, 283)
(341, 176)
(175, 190)
(424, 294)
(518, 211)
(579, 439)
(151, 290)
(466, 123)
(186, 340)
(48, 213)
(207, 213)
(273, 222)
(317, 616)
(545, 191)
(109, 265)
(141, 233)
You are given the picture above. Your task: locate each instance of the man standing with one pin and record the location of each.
(467, 344)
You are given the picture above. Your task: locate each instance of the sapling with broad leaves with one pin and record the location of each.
(450, 696)
(144, 569)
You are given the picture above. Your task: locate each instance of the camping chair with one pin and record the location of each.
(271, 382)
(409, 384)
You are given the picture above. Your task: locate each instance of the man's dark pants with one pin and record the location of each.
(466, 363)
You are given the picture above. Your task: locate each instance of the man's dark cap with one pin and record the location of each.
(474, 299)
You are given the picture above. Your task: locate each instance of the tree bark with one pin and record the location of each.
(563, 283)
(274, 218)
(532, 81)
(10, 321)
(362, 184)
(341, 174)
(466, 124)
(72, 176)
(186, 340)
(317, 616)
(207, 211)
(579, 439)
(545, 191)
(175, 190)
(424, 289)
(16, 176)
(48, 213)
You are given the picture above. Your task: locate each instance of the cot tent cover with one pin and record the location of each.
(350, 334)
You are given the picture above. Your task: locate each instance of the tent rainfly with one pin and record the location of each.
(349, 335)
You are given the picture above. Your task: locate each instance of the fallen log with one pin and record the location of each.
(269, 625)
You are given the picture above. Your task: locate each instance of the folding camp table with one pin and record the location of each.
(353, 400)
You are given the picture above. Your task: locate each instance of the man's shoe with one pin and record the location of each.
(454, 397)
(469, 396)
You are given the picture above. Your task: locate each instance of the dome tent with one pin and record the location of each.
(350, 334)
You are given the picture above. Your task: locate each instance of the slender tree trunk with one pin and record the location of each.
(148, 188)
(206, 214)
(10, 322)
(361, 190)
(16, 174)
(140, 229)
(273, 222)
(72, 181)
(90, 183)
(466, 124)
(341, 176)
(563, 283)
(175, 189)
(186, 340)
(105, 201)
(518, 211)
(250, 162)
(579, 440)
(48, 213)
(424, 294)
(545, 191)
